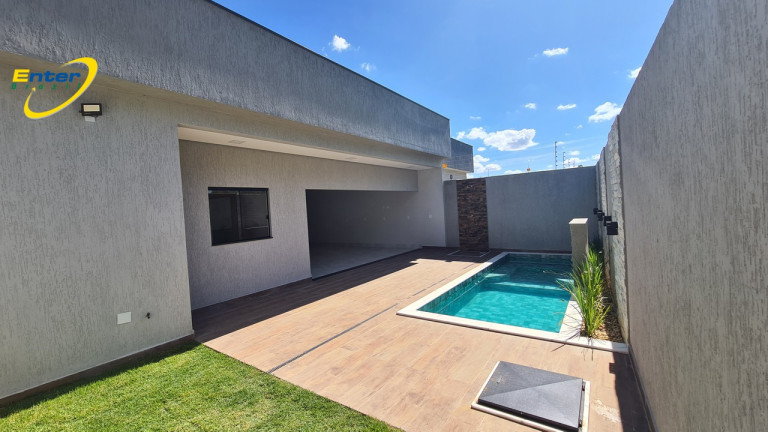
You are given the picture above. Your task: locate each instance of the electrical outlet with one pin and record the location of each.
(123, 318)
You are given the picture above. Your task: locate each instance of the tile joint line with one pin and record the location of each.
(291, 360)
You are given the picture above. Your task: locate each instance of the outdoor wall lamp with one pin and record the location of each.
(90, 111)
(595, 210)
(612, 228)
(606, 220)
(600, 215)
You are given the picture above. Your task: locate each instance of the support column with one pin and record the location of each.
(579, 240)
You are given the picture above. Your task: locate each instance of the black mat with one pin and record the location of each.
(546, 397)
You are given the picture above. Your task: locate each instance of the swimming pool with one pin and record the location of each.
(518, 289)
(512, 293)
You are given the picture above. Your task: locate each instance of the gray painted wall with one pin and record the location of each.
(693, 138)
(611, 202)
(93, 220)
(92, 225)
(196, 48)
(219, 273)
(451, 213)
(531, 211)
(461, 156)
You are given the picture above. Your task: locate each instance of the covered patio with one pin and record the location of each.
(341, 338)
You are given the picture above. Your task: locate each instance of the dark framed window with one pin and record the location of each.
(238, 214)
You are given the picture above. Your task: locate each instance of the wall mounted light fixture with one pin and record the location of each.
(612, 228)
(90, 111)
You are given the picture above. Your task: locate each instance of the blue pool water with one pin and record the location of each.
(519, 290)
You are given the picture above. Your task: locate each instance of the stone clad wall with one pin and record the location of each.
(611, 202)
(473, 214)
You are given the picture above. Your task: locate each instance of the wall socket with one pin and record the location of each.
(123, 318)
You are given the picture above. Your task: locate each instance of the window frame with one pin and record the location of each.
(236, 192)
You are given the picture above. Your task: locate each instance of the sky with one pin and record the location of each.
(512, 76)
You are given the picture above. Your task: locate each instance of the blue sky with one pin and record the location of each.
(483, 63)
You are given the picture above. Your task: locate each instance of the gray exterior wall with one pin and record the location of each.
(378, 218)
(219, 273)
(451, 211)
(199, 49)
(92, 226)
(693, 137)
(611, 202)
(93, 213)
(531, 211)
(461, 156)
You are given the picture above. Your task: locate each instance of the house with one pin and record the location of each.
(219, 146)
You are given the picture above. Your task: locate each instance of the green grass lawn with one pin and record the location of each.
(187, 389)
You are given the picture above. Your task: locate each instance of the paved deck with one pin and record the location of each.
(327, 259)
(340, 337)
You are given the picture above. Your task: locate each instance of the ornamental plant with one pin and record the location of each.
(587, 290)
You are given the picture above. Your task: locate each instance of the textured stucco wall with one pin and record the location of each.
(219, 273)
(461, 156)
(375, 218)
(611, 202)
(92, 225)
(451, 209)
(93, 219)
(196, 48)
(693, 144)
(531, 211)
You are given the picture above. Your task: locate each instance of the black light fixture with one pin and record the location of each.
(606, 220)
(600, 215)
(612, 228)
(90, 111)
(595, 210)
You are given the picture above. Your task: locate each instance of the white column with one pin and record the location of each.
(579, 240)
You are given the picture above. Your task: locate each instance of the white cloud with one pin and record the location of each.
(511, 140)
(579, 127)
(368, 67)
(504, 140)
(566, 107)
(574, 153)
(555, 52)
(482, 149)
(513, 172)
(475, 118)
(605, 112)
(634, 72)
(530, 105)
(572, 162)
(595, 157)
(339, 43)
(479, 165)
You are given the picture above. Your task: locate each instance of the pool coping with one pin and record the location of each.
(569, 331)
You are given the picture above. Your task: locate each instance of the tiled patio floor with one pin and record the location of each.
(341, 338)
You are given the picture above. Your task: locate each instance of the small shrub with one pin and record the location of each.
(587, 290)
